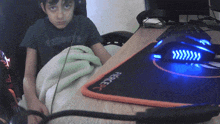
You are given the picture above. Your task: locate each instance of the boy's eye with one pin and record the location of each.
(67, 6)
(52, 8)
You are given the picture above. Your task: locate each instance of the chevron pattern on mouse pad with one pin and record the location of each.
(143, 80)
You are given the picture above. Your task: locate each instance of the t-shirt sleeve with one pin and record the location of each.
(30, 38)
(94, 36)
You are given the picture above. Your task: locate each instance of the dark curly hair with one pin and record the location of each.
(54, 1)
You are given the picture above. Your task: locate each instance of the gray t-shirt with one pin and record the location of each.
(49, 41)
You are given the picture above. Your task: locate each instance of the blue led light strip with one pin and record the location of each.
(202, 48)
(157, 56)
(202, 41)
(158, 43)
(186, 55)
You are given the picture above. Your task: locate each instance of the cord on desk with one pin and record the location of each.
(185, 114)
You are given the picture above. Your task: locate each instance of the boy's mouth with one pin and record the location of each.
(61, 23)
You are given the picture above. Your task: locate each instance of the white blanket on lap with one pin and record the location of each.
(81, 64)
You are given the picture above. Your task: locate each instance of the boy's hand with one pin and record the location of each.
(101, 52)
(37, 105)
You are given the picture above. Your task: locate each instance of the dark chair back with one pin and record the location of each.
(17, 18)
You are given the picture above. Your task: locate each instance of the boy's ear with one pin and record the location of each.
(42, 7)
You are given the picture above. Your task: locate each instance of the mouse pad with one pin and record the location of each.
(144, 80)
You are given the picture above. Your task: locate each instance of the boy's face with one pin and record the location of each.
(59, 14)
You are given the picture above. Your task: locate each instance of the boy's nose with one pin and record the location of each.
(60, 14)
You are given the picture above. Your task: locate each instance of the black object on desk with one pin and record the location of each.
(184, 29)
(147, 81)
(185, 43)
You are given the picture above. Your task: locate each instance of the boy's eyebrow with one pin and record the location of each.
(51, 3)
(68, 2)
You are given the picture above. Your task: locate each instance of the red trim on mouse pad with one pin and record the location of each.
(154, 103)
(122, 99)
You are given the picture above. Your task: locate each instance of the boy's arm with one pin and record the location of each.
(101, 52)
(29, 85)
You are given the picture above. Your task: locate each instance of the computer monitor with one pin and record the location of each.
(180, 7)
(215, 5)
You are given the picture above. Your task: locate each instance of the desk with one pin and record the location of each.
(139, 40)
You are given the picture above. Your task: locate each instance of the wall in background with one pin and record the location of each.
(115, 15)
(120, 15)
(217, 14)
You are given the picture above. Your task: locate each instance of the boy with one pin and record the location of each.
(49, 36)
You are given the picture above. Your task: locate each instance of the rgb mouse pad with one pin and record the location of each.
(144, 80)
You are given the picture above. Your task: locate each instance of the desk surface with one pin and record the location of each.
(139, 40)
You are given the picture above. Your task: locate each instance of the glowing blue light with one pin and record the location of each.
(174, 55)
(157, 56)
(187, 69)
(202, 41)
(202, 48)
(186, 55)
(158, 43)
(199, 57)
(181, 54)
(195, 56)
(177, 54)
(191, 52)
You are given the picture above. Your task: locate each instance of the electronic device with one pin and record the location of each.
(153, 23)
(215, 5)
(149, 18)
(182, 29)
(184, 43)
(179, 7)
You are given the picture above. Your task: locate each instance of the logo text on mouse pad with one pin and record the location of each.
(107, 81)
